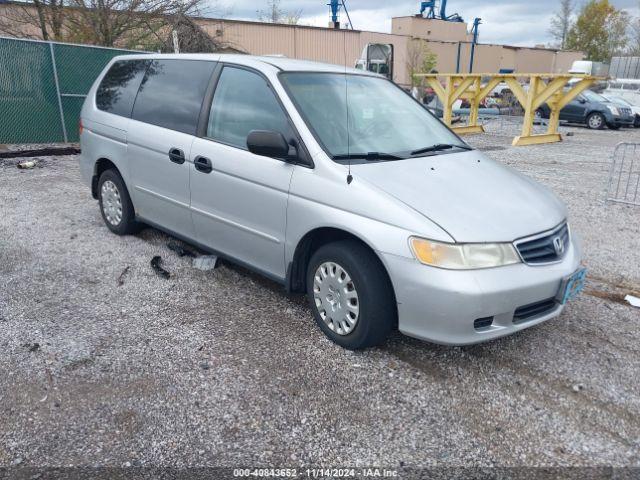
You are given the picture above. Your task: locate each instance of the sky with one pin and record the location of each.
(513, 22)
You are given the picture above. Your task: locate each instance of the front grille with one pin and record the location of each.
(625, 112)
(527, 312)
(545, 248)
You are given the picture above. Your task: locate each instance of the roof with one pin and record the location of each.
(280, 63)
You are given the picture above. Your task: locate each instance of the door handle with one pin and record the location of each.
(177, 156)
(203, 164)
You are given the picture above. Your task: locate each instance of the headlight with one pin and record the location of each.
(613, 109)
(465, 256)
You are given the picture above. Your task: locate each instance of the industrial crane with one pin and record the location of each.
(431, 6)
(335, 11)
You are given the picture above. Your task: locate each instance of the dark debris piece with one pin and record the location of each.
(32, 347)
(155, 264)
(181, 250)
(120, 280)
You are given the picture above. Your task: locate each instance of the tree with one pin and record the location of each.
(142, 24)
(600, 31)
(275, 14)
(40, 19)
(634, 38)
(420, 59)
(561, 23)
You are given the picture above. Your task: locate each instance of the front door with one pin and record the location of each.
(161, 131)
(575, 110)
(238, 199)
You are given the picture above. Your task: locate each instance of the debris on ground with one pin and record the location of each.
(578, 387)
(205, 262)
(155, 264)
(633, 301)
(27, 164)
(181, 250)
(120, 280)
(32, 347)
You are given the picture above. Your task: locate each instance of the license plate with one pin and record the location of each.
(572, 286)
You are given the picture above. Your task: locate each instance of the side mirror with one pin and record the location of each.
(581, 100)
(268, 143)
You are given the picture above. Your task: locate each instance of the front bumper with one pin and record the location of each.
(441, 306)
(621, 121)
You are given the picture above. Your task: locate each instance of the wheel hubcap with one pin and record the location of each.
(111, 203)
(336, 298)
(595, 121)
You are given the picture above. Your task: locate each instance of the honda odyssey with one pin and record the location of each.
(333, 182)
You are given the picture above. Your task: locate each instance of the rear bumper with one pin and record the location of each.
(441, 305)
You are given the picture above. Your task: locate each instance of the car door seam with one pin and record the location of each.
(237, 225)
(162, 197)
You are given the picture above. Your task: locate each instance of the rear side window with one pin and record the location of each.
(118, 88)
(243, 101)
(171, 94)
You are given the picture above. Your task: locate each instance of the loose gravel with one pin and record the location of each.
(105, 363)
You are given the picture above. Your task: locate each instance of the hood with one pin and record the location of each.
(470, 196)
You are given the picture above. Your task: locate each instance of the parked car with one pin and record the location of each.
(627, 88)
(635, 109)
(593, 110)
(331, 182)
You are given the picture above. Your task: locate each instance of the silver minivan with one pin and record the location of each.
(335, 183)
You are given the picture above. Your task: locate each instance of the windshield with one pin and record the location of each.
(620, 100)
(593, 97)
(382, 118)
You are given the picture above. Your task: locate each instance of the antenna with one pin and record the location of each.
(346, 102)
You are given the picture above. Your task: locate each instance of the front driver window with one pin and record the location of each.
(243, 101)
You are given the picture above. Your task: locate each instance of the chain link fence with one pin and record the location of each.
(42, 87)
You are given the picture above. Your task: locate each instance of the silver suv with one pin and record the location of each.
(333, 182)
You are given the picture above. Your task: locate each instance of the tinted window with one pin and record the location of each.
(118, 88)
(243, 101)
(171, 94)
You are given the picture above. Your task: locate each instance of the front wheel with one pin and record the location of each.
(115, 204)
(595, 121)
(350, 295)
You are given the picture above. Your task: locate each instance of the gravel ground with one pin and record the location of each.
(222, 368)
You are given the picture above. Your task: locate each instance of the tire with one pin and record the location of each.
(596, 121)
(115, 204)
(636, 122)
(375, 307)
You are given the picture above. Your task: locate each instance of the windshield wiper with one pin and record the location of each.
(371, 156)
(438, 147)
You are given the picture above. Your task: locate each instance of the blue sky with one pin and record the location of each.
(516, 22)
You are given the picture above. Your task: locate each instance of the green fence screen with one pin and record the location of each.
(42, 87)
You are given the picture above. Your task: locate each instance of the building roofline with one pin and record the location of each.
(343, 30)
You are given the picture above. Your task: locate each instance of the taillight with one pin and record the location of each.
(80, 127)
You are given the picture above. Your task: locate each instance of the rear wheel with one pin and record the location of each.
(636, 122)
(115, 204)
(350, 295)
(595, 121)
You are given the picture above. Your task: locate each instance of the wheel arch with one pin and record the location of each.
(101, 165)
(296, 270)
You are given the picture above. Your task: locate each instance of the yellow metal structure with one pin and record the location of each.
(552, 89)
